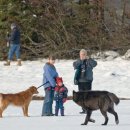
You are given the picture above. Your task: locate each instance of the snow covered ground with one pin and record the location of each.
(14, 120)
(113, 76)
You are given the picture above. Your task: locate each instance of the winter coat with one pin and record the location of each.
(60, 93)
(14, 37)
(49, 75)
(84, 70)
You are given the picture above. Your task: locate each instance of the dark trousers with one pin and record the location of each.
(84, 86)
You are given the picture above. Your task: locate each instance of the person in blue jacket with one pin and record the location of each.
(13, 42)
(49, 76)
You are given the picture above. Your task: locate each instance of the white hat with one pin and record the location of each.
(13, 25)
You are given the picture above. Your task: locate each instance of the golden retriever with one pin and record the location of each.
(21, 99)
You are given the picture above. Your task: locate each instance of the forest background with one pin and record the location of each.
(63, 27)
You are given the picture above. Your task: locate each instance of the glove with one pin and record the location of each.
(49, 88)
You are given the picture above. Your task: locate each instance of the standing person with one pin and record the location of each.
(60, 96)
(84, 72)
(49, 77)
(14, 45)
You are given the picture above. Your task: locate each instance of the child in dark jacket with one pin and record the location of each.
(60, 96)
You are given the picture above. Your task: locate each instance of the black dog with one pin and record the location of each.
(94, 100)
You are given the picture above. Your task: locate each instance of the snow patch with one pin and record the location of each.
(127, 55)
(108, 75)
(107, 55)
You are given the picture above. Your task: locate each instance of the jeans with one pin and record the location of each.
(14, 48)
(48, 101)
(59, 105)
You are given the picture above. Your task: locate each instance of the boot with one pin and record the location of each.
(83, 112)
(56, 112)
(7, 63)
(62, 112)
(19, 62)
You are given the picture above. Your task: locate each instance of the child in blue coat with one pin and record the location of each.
(60, 96)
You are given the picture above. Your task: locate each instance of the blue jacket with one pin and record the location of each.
(88, 65)
(14, 36)
(49, 75)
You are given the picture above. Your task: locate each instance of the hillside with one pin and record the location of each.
(63, 27)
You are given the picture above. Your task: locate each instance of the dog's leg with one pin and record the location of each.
(90, 120)
(112, 111)
(1, 110)
(104, 113)
(1, 105)
(25, 110)
(0, 113)
(89, 112)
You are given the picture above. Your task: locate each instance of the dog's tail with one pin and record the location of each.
(114, 98)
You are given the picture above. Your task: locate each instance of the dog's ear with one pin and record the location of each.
(34, 90)
(74, 96)
(74, 92)
(32, 86)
